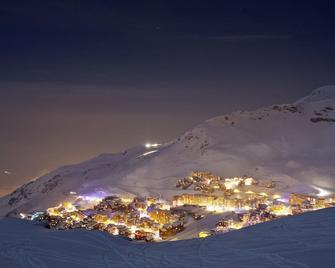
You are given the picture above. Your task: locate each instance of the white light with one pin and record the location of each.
(133, 229)
(248, 181)
(283, 211)
(213, 208)
(90, 198)
(7, 172)
(263, 194)
(144, 215)
(147, 153)
(322, 192)
(232, 183)
(152, 145)
(283, 200)
(156, 236)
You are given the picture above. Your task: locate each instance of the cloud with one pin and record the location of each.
(249, 37)
(240, 37)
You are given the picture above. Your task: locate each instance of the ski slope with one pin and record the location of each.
(306, 240)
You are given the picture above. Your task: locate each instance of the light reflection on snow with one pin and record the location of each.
(321, 192)
(147, 153)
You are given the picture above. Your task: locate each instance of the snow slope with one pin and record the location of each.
(306, 240)
(292, 144)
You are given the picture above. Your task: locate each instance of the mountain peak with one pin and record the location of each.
(283, 143)
(320, 94)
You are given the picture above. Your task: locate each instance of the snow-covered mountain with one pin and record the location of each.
(306, 240)
(291, 143)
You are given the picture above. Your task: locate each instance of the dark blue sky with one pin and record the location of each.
(82, 77)
(154, 44)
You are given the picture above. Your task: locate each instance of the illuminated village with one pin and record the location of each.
(242, 201)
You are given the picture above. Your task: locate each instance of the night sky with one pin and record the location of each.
(80, 78)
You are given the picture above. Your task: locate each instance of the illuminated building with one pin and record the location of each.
(154, 219)
(203, 234)
(281, 210)
(161, 216)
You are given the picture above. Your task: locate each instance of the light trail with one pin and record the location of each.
(147, 153)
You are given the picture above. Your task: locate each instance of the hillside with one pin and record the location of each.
(306, 240)
(291, 144)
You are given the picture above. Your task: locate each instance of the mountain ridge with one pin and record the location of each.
(266, 143)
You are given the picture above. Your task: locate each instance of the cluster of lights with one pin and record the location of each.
(242, 196)
(139, 217)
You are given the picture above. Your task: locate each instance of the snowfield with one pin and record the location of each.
(292, 144)
(306, 240)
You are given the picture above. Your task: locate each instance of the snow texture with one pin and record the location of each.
(292, 144)
(306, 240)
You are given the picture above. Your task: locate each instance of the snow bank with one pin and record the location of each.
(307, 240)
